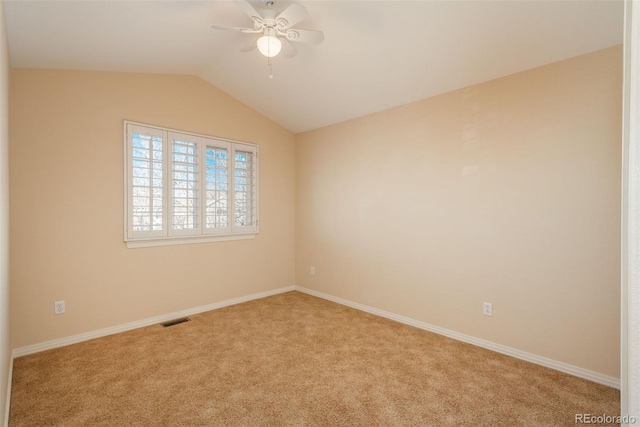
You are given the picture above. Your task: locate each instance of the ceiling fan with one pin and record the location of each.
(275, 29)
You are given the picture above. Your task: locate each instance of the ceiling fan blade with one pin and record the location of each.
(250, 47)
(288, 50)
(242, 30)
(291, 16)
(305, 36)
(248, 10)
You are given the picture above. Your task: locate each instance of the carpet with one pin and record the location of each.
(292, 360)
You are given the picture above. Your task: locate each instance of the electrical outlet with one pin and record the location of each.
(58, 307)
(487, 309)
(312, 270)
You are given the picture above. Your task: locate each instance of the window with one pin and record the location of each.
(185, 188)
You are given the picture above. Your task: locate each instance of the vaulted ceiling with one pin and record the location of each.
(376, 54)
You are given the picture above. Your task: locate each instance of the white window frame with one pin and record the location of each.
(200, 234)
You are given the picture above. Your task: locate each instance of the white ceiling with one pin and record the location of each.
(376, 54)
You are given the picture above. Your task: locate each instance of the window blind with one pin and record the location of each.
(181, 185)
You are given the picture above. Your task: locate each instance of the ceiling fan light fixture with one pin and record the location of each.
(269, 45)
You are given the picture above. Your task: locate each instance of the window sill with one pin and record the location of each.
(169, 241)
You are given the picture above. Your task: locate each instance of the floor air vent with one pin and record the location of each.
(175, 322)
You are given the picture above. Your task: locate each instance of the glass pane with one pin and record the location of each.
(216, 215)
(184, 176)
(146, 211)
(244, 187)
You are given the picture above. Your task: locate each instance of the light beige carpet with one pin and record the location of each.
(292, 360)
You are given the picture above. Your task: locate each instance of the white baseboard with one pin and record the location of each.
(48, 345)
(518, 354)
(8, 403)
(529, 357)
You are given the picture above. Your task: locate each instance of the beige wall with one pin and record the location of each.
(506, 192)
(67, 203)
(5, 345)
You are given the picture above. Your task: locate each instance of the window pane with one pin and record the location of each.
(185, 185)
(244, 185)
(146, 210)
(216, 173)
